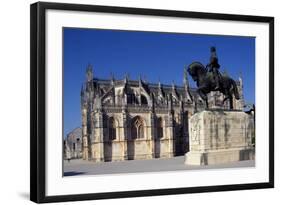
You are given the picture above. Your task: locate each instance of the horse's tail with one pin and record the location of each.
(235, 90)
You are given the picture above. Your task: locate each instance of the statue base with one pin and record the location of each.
(217, 137)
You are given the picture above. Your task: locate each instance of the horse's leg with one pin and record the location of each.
(227, 96)
(231, 102)
(203, 96)
(224, 100)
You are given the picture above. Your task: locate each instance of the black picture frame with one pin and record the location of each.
(38, 101)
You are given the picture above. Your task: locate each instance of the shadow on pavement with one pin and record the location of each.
(66, 174)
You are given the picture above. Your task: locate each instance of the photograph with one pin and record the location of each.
(133, 102)
(139, 101)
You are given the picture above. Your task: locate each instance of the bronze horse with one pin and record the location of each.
(205, 83)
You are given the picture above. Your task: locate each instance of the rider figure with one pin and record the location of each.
(214, 66)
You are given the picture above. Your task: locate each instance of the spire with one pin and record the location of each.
(174, 91)
(112, 78)
(89, 73)
(240, 79)
(140, 81)
(185, 77)
(160, 91)
(126, 78)
(188, 97)
(173, 85)
(145, 79)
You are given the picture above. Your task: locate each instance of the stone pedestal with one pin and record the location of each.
(217, 137)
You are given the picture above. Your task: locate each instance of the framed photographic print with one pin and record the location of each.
(129, 102)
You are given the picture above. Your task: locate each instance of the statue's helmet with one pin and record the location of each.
(213, 49)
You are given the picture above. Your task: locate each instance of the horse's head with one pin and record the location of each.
(195, 69)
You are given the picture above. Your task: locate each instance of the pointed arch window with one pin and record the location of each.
(159, 127)
(131, 99)
(137, 128)
(112, 129)
(141, 131)
(143, 100)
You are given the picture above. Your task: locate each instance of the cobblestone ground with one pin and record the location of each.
(81, 167)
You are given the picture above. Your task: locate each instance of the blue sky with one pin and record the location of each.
(156, 56)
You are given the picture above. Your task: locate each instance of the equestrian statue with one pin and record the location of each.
(210, 79)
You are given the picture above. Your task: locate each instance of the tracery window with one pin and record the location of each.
(112, 128)
(159, 127)
(137, 128)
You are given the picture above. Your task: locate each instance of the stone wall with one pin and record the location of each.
(220, 137)
(126, 145)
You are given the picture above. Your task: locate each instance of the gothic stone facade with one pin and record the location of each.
(133, 119)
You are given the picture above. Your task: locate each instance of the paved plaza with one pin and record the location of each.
(81, 167)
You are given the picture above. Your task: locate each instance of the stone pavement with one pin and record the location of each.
(81, 167)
